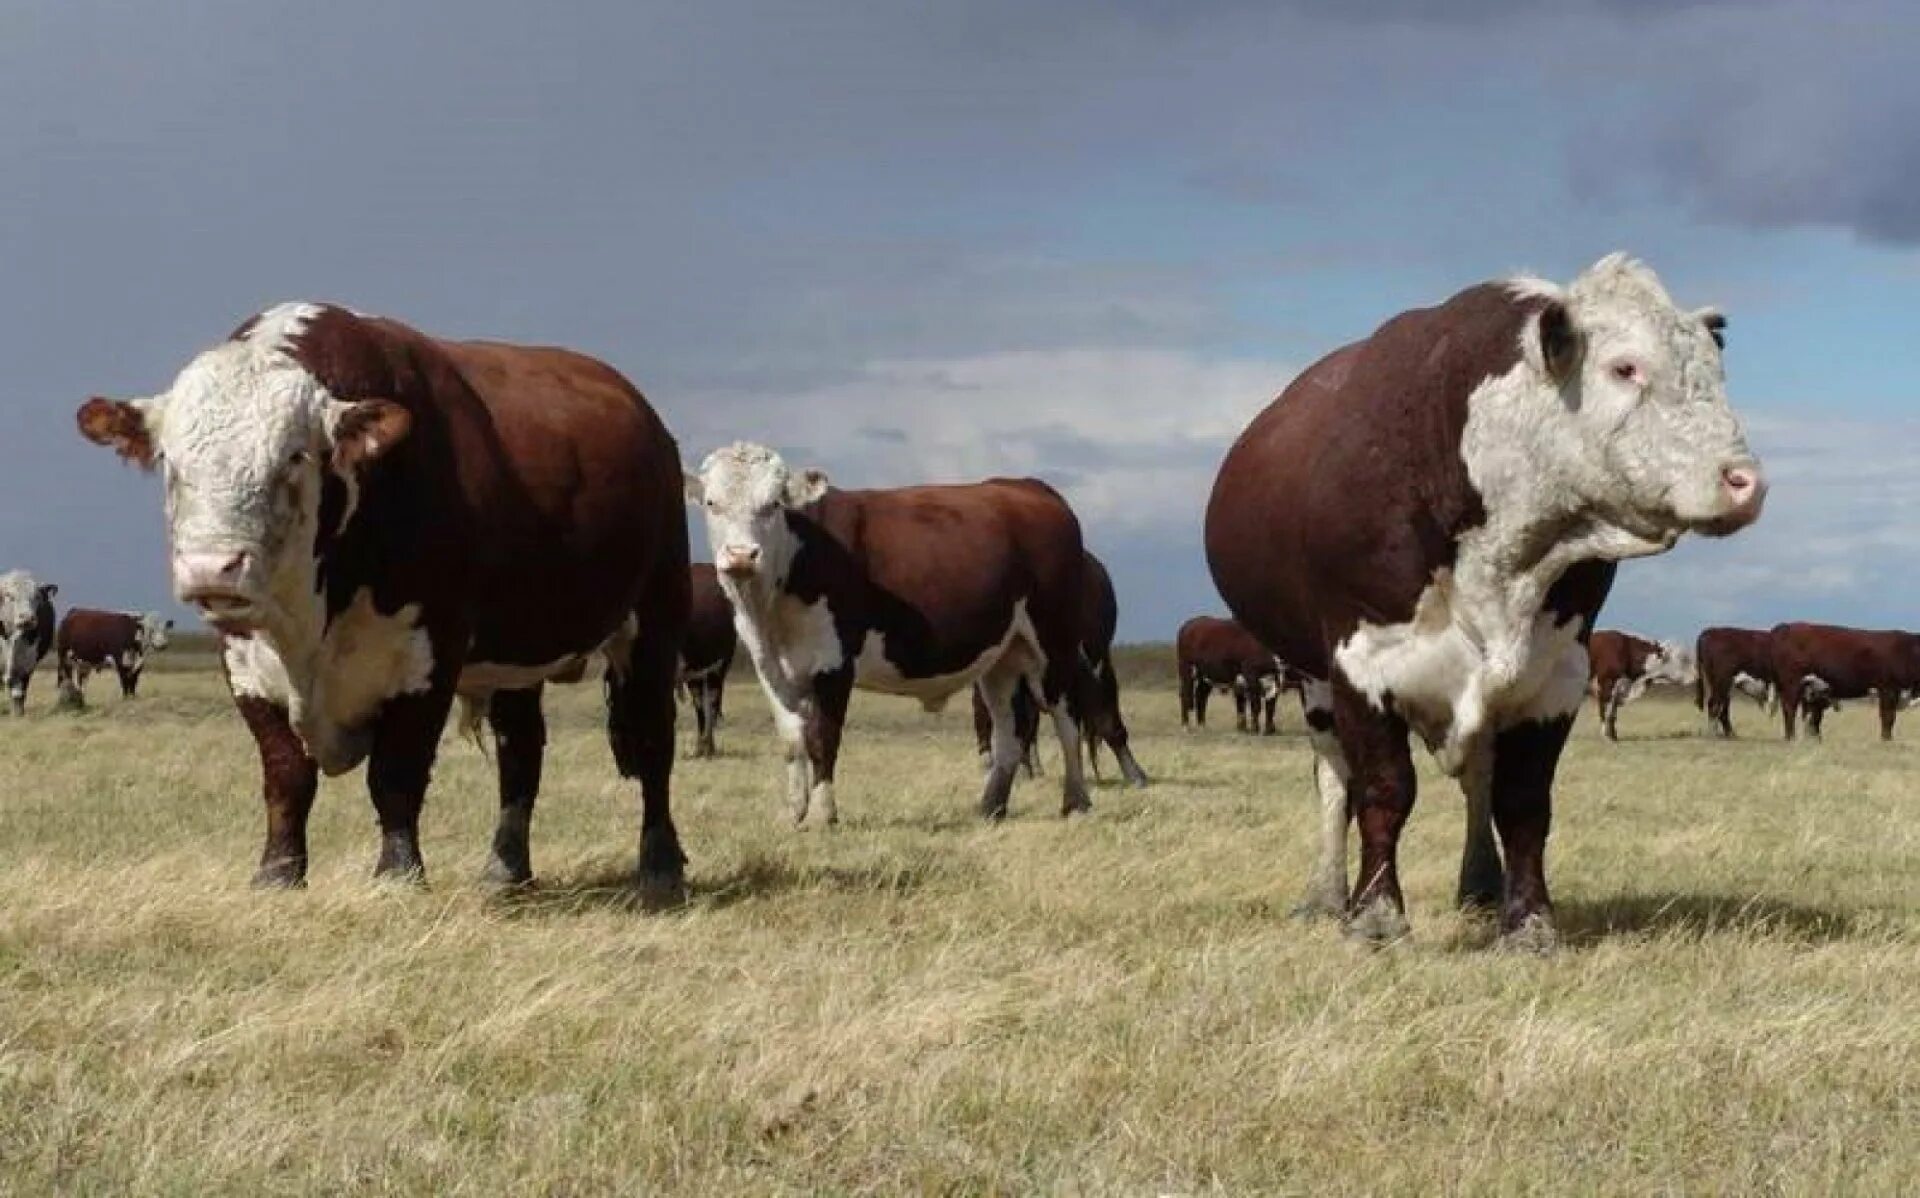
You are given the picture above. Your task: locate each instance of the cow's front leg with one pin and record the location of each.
(288, 781)
(1524, 760)
(823, 721)
(1380, 793)
(406, 737)
(1482, 881)
(520, 743)
(791, 727)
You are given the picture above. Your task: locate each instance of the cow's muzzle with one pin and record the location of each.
(221, 584)
(741, 561)
(1743, 492)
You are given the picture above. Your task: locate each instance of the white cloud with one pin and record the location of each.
(1132, 436)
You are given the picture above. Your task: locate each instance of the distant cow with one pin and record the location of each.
(706, 655)
(1820, 664)
(1426, 523)
(26, 631)
(921, 591)
(1214, 654)
(375, 520)
(1732, 659)
(90, 640)
(1625, 665)
(1097, 688)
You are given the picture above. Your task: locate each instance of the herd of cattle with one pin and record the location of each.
(1416, 536)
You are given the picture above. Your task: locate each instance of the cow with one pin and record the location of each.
(375, 520)
(1215, 654)
(1624, 666)
(1426, 522)
(1097, 688)
(1819, 664)
(706, 655)
(89, 640)
(1732, 659)
(26, 631)
(919, 591)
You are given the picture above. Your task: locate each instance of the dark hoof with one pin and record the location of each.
(1076, 810)
(993, 814)
(502, 875)
(280, 875)
(661, 889)
(1379, 922)
(1478, 903)
(1534, 935)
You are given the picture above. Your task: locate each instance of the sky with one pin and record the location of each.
(912, 242)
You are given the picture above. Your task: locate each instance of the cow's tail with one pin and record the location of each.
(1700, 690)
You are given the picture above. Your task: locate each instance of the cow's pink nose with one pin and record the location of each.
(222, 575)
(739, 559)
(1744, 485)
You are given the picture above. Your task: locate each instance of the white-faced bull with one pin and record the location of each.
(1426, 522)
(921, 591)
(26, 631)
(375, 520)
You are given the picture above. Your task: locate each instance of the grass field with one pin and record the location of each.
(919, 1003)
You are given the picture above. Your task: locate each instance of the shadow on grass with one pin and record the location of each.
(614, 888)
(1585, 922)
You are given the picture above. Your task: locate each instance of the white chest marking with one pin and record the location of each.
(363, 660)
(1454, 683)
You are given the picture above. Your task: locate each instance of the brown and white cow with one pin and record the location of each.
(1097, 688)
(1731, 659)
(1214, 654)
(920, 591)
(90, 640)
(1625, 665)
(1820, 664)
(706, 655)
(26, 631)
(1426, 523)
(375, 520)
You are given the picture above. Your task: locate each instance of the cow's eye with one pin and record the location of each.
(1627, 372)
(299, 457)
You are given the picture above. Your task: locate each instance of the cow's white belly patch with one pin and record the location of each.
(874, 671)
(1449, 688)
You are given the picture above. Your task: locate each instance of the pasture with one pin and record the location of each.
(916, 1002)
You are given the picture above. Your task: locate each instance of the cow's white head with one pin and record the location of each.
(24, 603)
(1671, 664)
(746, 492)
(154, 631)
(262, 468)
(1641, 435)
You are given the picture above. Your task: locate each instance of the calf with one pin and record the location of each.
(1819, 664)
(90, 640)
(375, 520)
(921, 591)
(1096, 684)
(26, 631)
(1625, 665)
(1214, 654)
(707, 655)
(1732, 659)
(1426, 522)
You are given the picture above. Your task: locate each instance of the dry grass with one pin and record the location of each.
(919, 1003)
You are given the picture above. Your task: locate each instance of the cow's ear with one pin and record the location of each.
(1561, 343)
(49, 590)
(1716, 323)
(168, 625)
(367, 431)
(696, 491)
(806, 487)
(124, 426)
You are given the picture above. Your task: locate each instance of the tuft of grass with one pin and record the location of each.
(920, 1002)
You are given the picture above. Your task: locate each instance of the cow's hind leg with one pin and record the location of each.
(1326, 892)
(288, 780)
(1889, 709)
(997, 690)
(1380, 791)
(520, 743)
(640, 718)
